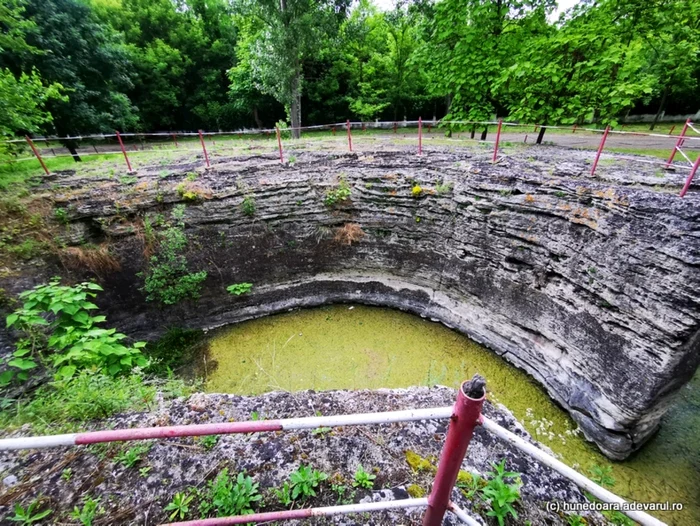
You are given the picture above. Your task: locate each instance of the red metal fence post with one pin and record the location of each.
(690, 176)
(38, 156)
(600, 149)
(498, 138)
(349, 135)
(679, 143)
(420, 135)
(204, 148)
(279, 143)
(126, 157)
(394, 127)
(466, 416)
(574, 130)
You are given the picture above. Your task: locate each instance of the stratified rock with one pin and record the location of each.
(591, 285)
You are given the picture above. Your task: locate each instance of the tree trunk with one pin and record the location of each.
(73, 152)
(295, 111)
(484, 133)
(661, 109)
(541, 134)
(256, 117)
(473, 131)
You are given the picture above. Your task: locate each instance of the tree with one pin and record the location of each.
(585, 69)
(86, 58)
(288, 32)
(470, 43)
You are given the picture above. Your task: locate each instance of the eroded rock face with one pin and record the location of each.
(589, 284)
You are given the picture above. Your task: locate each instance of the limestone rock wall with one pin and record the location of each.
(589, 284)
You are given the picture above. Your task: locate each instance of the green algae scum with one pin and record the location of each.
(359, 347)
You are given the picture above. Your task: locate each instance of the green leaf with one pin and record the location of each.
(22, 363)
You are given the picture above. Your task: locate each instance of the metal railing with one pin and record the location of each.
(464, 416)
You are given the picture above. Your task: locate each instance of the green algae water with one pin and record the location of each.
(359, 347)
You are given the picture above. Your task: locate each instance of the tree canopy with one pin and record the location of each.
(81, 66)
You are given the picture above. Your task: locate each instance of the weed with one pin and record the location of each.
(58, 330)
(575, 520)
(179, 505)
(338, 194)
(86, 515)
(226, 495)
(284, 494)
(305, 481)
(86, 396)
(501, 495)
(292, 159)
(133, 455)
(127, 179)
(66, 474)
(559, 193)
(209, 441)
(248, 206)
(363, 479)
(416, 191)
(61, 215)
(144, 471)
(168, 278)
(29, 515)
(321, 431)
(602, 475)
(443, 188)
(505, 192)
(239, 288)
(191, 176)
(163, 174)
(98, 260)
(348, 234)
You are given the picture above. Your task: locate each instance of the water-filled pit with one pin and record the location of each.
(360, 347)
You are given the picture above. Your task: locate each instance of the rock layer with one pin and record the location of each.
(589, 284)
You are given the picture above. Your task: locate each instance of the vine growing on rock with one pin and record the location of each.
(168, 278)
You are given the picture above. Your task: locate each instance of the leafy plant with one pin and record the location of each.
(602, 475)
(363, 479)
(416, 191)
(209, 441)
(66, 474)
(239, 288)
(59, 331)
(144, 471)
(168, 278)
(338, 194)
(304, 482)
(61, 215)
(230, 496)
(133, 455)
(86, 515)
(29, 515)
(501, 495)
(284, 494)
(575, 520)
(248, 205)
(179, 505)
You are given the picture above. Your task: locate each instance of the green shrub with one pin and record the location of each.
(226, 496)
(248, 205)
(239, 288)
(602, 475)
(59, 331)
(168, 279)
(338, 194)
